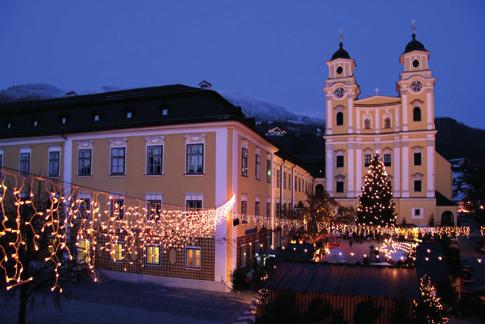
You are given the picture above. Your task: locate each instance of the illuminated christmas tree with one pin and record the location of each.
(428, 308)
(376, 206)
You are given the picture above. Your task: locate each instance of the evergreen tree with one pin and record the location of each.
(428, 308)
(376, 206)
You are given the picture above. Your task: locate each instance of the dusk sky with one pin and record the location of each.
(271, 50)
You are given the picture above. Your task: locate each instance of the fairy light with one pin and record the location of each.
(97, 226)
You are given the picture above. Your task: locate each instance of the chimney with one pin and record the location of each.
(205, 85)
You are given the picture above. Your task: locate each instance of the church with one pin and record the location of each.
(400, 128)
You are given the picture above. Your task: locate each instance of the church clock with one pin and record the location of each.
(416, 86)
(339, 92)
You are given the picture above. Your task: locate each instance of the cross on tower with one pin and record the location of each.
(341, 35)
(413, 26)
(377, 91)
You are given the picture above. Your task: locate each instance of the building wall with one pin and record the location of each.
(444, 177)
(220, 180)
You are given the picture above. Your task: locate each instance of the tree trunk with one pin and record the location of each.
(24, 298)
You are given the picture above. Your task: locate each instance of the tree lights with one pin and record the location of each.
(375, 204)
(428, 305)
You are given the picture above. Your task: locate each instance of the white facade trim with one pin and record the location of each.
(405, 171)
(221, 160)
(430, 172)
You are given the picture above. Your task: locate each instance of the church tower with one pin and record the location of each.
(400, 128)
(340, 91)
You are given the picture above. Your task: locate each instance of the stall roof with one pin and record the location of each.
(345, 280)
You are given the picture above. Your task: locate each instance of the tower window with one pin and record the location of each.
(415, 63)
(417, 114)
(340, 186)
(340, 161)
(417, 185)
(417, 158)
(340, 118)
(339, 70)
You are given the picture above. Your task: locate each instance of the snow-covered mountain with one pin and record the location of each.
(261, 110)
(266, 111)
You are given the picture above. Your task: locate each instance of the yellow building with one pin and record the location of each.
(173, 145)
(401, 129)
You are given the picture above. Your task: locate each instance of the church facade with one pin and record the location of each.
(401, 129)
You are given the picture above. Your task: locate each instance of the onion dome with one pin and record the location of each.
(340, 53)
(414, 45)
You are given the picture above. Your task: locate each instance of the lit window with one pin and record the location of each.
(96, 118)
(118, 254)
(35, 123)
(195, 159)
(129, 115)
(164, 112)
(153, 254)
(154, 160)
(193, 257)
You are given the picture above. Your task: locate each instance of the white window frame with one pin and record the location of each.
(155, 141)
(118, 143)
(25, 150)
(195, 139)
(194, 196)
(53, 149)
(85, 146)
(153, 196)
(421, 213)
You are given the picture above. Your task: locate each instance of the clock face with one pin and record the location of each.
(339, 92)
(416, 86)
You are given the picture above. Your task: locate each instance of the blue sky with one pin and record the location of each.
(271, 50)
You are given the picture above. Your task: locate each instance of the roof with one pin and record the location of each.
(441, 200)
(153, 106)
(182, 104)
(340, 53)
(414, 45)
(378, 101)
(350, 280)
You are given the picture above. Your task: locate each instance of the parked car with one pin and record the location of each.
(467, 275)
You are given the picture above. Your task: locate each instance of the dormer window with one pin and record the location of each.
(96, 117)
(164, 112)
(9, 124)
(63, 119)
(35, 123)
(129, 115)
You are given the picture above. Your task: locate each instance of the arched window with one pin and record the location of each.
(387, 122)
(417, 114)
(340, 118)
(367, 123)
